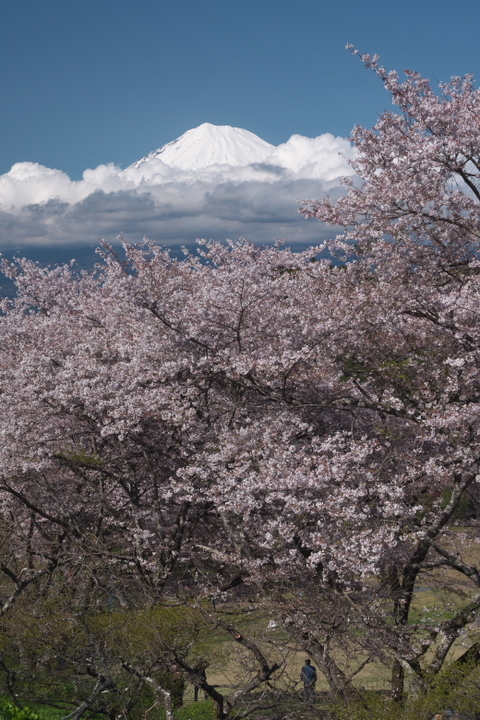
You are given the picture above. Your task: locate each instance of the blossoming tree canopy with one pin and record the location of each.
(272, 386)
(420, 169)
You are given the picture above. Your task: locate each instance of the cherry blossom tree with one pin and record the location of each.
(254, 422)
(414, 221)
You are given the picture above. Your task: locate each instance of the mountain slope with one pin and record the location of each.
(208, 145)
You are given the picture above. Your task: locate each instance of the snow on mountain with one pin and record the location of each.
(208, 145)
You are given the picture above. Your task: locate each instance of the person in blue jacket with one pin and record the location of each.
(308, 675)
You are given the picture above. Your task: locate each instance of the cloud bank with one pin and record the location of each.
(43, 206)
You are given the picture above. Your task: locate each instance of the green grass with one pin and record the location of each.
(203, 710)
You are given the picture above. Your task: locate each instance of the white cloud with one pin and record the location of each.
(40, 205)
(28, 183)
(323, 158)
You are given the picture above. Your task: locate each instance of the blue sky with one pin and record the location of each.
(87, 82)
(91, 81)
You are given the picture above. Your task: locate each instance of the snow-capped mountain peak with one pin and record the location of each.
(210, 144)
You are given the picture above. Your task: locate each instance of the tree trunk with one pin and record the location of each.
(157, 688)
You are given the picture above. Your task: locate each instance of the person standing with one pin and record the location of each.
(308, 675)
(201, 671)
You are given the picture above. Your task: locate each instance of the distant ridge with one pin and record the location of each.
(208, 145)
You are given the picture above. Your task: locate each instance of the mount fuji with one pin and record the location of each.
(212, 181)
(208, 145)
